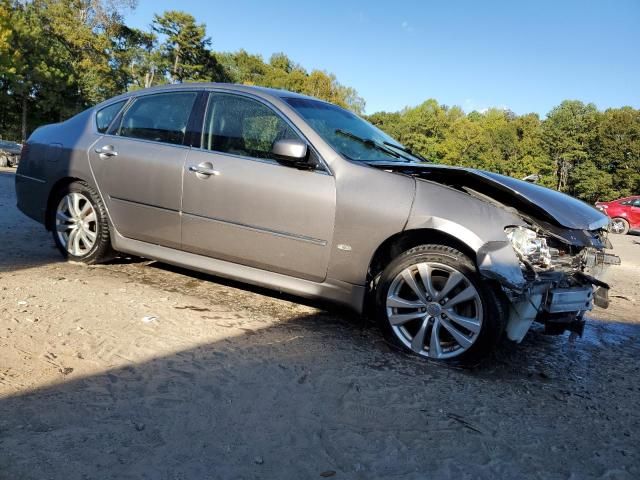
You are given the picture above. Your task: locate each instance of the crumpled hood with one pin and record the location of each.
(566, 210)
(529, 198)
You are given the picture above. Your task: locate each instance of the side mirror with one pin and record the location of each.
(292, 152)
(533, 178)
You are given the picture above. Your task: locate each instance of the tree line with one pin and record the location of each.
(591, 154)
(58, 57)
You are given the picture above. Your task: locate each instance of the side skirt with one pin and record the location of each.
(333, 290)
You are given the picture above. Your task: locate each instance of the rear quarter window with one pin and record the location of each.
(105, 116)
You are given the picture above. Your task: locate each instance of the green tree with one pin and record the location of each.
(135, 58)
(35, 77)
(84, 28)
(243, 67)
(424, 128)
(592, 184)
(465, 143)
(618, 152)
(184, 47)
(281, 72)
(390, 122)
(532, 157)
(569, 136)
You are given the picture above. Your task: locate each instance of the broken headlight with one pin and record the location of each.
(529, 246)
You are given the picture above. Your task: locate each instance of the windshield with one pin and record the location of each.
(349, 134)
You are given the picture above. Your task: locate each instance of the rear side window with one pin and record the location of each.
(241, 126)
(161, 117)
(105, 116)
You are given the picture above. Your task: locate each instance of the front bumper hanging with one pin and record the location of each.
(560, 309)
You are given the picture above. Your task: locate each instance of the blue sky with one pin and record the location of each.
(527, 56)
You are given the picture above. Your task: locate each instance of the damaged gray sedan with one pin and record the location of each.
(298, 195)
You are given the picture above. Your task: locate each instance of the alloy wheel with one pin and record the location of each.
(434, 310)
(76, 224)
(617, 226)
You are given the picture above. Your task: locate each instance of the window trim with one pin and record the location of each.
(322, 168)
(134, 98)
(193, 135)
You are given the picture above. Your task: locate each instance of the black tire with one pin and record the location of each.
(493, 304)
(101, 250)
(624, 226)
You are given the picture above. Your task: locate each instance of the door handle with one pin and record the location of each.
(204, 169)
(106, 151)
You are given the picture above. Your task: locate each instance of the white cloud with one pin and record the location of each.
(470, 105)
(406, 27)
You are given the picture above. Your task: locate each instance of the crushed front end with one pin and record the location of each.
(546, 250)
(563, 270)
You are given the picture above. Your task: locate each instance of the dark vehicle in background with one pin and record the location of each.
(299, 195)
(9, 153)
(624, 213)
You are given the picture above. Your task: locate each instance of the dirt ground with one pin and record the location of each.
(136, 369)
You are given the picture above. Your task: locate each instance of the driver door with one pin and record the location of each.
(250, 209)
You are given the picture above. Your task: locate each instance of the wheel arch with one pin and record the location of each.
(407, 239)
(59, 184)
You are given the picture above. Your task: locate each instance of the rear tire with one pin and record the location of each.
(79, 224)
(619, 226)
(430, 301)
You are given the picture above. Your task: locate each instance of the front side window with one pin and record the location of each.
(636, 202)
(242, 126)
(161, 117)
(105, 116)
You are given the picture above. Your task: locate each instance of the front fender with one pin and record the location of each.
(476, 223)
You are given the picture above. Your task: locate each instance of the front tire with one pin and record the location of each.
(431, 301)
(79, 224)
(620, 226)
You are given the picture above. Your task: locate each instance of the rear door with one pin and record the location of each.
(251, 209)
(138, 166)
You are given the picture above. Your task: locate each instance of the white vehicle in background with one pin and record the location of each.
(9, 153)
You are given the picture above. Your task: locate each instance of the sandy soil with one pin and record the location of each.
(139, 370)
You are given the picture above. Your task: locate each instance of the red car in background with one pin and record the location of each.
(624, 213)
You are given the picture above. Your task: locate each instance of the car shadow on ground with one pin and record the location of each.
(25, 242)
(318, 394)
(206, 279)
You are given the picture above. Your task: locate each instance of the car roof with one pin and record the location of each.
(263, 92)
(631, 197)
